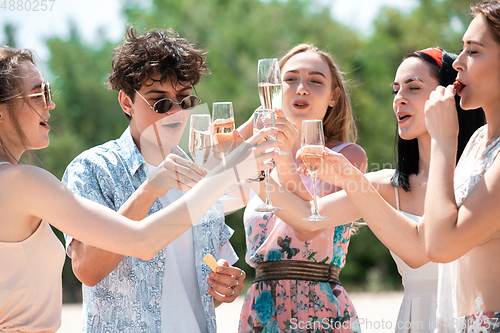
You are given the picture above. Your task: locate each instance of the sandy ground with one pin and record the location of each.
(377, 313)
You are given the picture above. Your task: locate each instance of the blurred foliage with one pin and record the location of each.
(10, 33)
(87, 114)
(236, 34)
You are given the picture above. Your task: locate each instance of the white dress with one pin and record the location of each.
(418, 308)
(469, 171)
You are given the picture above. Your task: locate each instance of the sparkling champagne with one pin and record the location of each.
(312, 161)
(270, 95)
(199, 146)
(312, 156)
(223, 134)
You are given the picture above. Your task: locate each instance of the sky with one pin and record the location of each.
(92, 17)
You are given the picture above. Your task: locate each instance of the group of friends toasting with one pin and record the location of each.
(139, 215)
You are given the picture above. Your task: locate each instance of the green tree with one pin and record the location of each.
(87, 114)
(10, 33)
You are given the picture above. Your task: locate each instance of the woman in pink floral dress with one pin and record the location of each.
(288, 295)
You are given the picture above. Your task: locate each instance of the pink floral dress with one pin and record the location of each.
(294, 305)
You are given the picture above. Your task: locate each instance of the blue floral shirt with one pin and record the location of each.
(129, 298)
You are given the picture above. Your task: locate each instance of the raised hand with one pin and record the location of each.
(176, 172)
(334, 169)
(250, 157)
(441, 115)
(287, 131)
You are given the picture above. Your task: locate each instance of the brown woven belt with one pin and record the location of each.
(296, 270)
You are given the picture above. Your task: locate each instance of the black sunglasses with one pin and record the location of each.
(165, 105)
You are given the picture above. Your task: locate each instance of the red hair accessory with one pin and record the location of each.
(435, 53)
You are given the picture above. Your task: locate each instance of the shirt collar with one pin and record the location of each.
(132, 156)
(130, 153)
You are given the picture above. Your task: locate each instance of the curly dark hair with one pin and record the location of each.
(156, 53)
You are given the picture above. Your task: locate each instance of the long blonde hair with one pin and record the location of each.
(338, 123)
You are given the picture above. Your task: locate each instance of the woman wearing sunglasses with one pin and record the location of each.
(31, 256)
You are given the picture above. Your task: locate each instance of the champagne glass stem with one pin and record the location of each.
(268, 205)
(268, 198)
(226, 195)
(312, 144)
(265, 118)
(315, 197)
(315, 214)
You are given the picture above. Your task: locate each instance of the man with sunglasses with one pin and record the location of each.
(155, 74)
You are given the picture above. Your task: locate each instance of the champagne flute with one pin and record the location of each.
(222, 133)
(312, 146)
(199, 138)
(269, 83)
(264, 118)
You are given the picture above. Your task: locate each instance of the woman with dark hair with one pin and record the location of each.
(392, 214)
(462, 203)
(407, 156)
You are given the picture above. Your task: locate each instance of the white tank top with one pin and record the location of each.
(411, 276)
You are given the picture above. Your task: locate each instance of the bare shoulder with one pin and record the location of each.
(492, 175)
(382, 177)
(25, 180)
(353, 152)
(27, 174)
(22, 189)
(381, 180)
